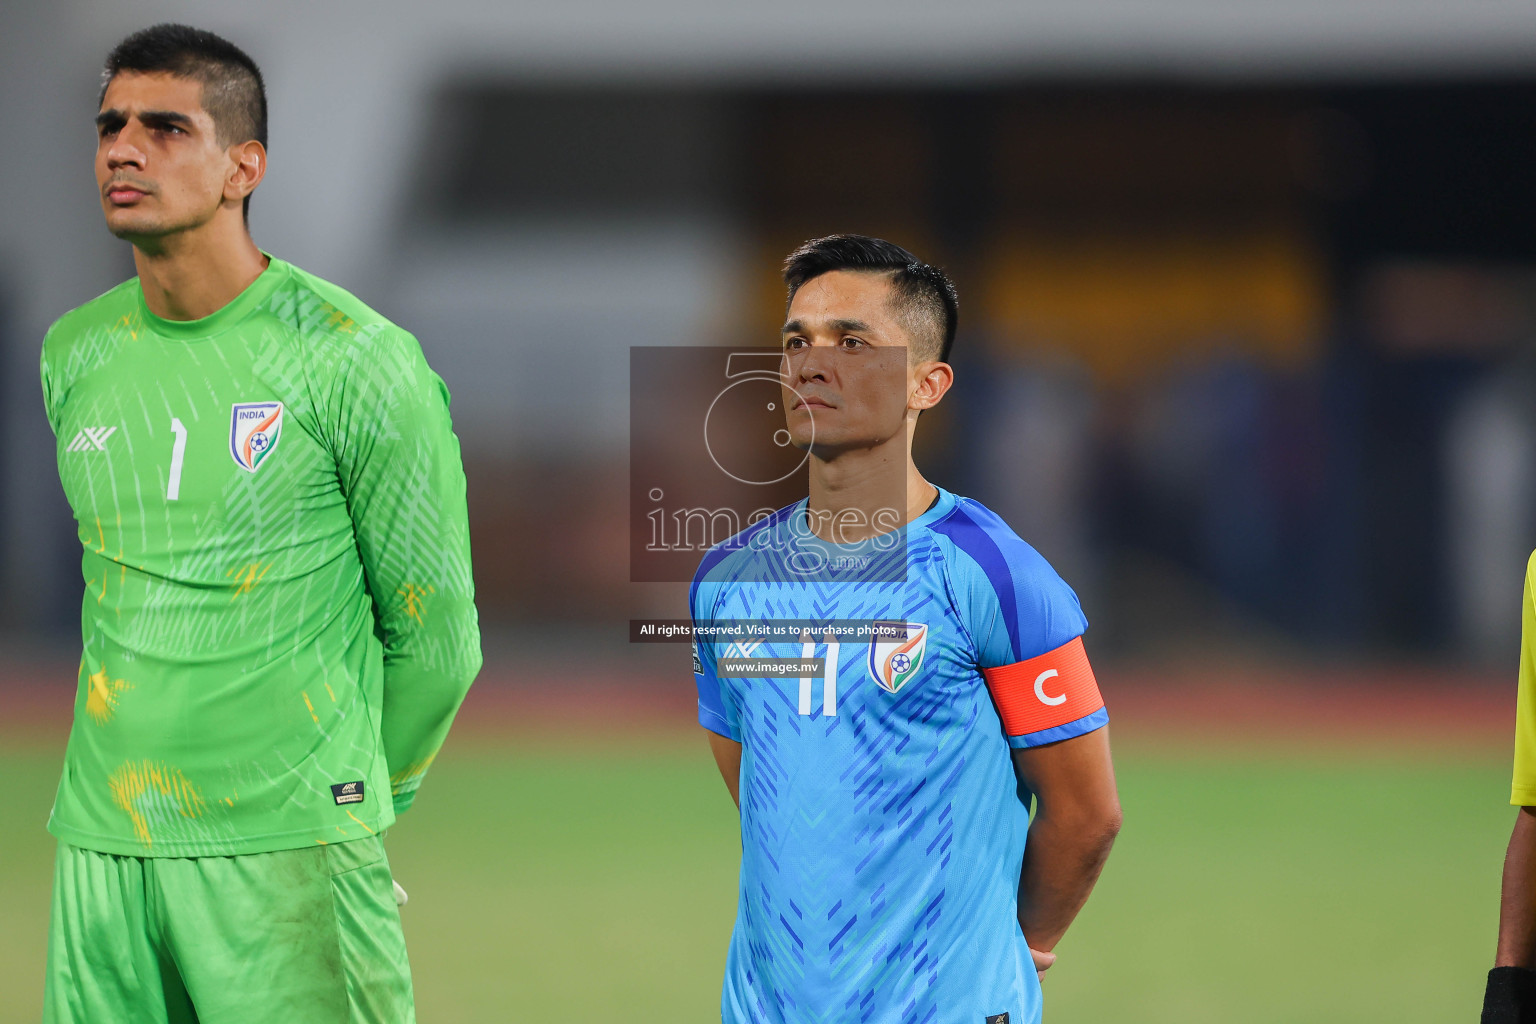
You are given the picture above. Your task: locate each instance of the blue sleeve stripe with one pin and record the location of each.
(1098, 720)
(971, 537)
(715, 722)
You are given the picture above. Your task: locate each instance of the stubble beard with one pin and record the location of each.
(149, 233)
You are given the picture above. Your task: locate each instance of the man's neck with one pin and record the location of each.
(196, 273)
(854, 487)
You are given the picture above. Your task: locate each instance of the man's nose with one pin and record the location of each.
(814, 363)
(125, 150)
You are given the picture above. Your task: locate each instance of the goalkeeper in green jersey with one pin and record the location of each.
(278, 616)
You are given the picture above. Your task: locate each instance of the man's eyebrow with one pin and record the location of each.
(851, 327)
(839, 326)
(155, 117)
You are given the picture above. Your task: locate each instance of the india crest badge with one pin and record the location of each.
(894, 658)
(254, 429)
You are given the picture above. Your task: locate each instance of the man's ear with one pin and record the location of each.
(934, 382)
(249, 167)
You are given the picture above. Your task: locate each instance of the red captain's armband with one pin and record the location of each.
(1053, 689)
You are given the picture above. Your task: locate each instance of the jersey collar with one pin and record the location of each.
(238, 308)
(941, 507)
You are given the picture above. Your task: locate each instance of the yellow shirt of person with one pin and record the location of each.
(1523, 792)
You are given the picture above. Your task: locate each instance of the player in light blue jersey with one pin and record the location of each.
(885, 874)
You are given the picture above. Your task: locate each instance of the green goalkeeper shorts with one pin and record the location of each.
(308, 936)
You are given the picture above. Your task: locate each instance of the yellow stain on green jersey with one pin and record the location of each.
(339, 321)
(103, 694)
(126, 323)
(411, 772)
(246, 577)
(416, 600)
(136, 785)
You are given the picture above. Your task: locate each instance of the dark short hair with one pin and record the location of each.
(928, 298)
(233, 92)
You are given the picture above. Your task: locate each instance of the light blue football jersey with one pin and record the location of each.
(881, 828)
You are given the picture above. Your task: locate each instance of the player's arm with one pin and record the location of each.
(404, 481)
(1517, 904)
(728, 758)
(1510, 996)
(717, 712)
(50, 391)
(1511, 992)
(42, 369)
(1058, 728)
(1027, 627)
(1075, 821)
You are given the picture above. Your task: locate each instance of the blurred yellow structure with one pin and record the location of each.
(1125, 306)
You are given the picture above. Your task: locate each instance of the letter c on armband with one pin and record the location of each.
(1040, 688)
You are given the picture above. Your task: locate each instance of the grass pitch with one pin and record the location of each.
(590, 881)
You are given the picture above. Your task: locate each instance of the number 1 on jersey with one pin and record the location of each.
(173, 485)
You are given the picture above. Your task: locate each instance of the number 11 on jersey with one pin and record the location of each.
(173, 484)
(828, 677)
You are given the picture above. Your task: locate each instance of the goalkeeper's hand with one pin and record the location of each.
(1510, 997)
(1042, 960)
(400, 896)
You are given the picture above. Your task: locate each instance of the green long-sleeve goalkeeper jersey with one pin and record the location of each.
(279, 619)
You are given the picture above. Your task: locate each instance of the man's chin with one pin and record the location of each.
(132, 231)
(830, 446)
(133, 226)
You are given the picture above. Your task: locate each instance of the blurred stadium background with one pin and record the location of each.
(1247, 349)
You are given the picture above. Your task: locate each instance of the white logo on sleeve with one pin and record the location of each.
(91, 439)
(1040, 688)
